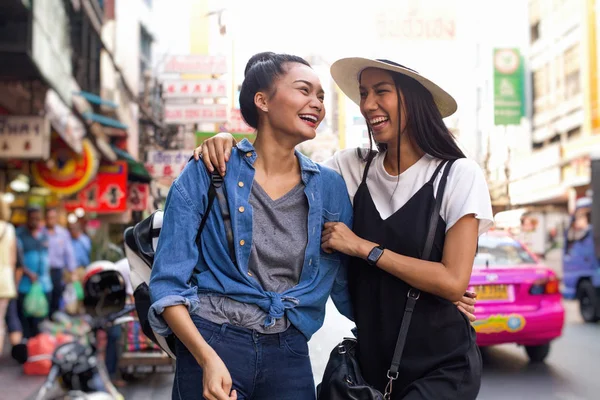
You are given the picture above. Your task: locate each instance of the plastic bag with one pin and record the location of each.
(70, 299)
(40, 349)
(35, 304)
(78, 290)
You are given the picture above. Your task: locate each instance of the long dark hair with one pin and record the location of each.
(424, 122)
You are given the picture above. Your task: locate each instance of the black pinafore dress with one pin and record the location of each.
(440, 359)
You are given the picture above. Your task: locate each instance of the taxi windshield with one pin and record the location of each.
(501, 250)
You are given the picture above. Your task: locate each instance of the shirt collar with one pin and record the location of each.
(306, 164)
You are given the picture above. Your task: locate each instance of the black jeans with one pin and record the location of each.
(56, 274)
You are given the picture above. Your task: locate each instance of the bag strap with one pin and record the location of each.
(413, 294)
(370, 157)
(221, 193)
(217, 190)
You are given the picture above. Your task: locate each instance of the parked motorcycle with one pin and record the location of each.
(75, 365)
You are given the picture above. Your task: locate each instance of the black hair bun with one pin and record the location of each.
(258, 58)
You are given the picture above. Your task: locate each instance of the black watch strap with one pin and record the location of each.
(375, 254)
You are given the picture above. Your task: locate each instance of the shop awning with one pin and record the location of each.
(95, 99)
(103, 120)
(137, 172)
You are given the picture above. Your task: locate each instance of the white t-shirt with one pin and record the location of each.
(466, 189)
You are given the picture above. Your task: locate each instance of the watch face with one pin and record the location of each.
(374, 255)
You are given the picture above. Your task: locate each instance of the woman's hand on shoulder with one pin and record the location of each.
(215, 151)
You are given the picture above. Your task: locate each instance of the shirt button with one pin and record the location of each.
(242, 242)
(241, 184)
(310, 262)
(241, 209)
(248, 154)
(249, 273)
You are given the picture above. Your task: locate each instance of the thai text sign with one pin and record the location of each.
(167, 163)
(25, 137)
(194, 88)
(106, 193)
(509, 104)
(195, 113)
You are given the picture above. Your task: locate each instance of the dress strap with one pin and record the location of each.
(370, 157)
(437, 171)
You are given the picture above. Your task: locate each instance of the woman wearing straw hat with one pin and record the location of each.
(393, 192)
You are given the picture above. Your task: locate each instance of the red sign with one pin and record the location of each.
(196, 64)
(107, 193)
(195, 113)
(237, 123)
(194, 89)
(137, 197)
(66, 172)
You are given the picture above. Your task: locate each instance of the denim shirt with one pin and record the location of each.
(182, 270)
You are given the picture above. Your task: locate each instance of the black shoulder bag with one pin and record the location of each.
(342, 379)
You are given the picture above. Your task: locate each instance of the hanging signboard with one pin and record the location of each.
(24, 137)
(167, 163)
(196, 64)
(66, 172)
(509, 87)
(137, 196)
(194, 89)
(237, 124)
(195, 113)
(107, 193)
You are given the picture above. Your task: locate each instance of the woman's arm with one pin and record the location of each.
(448, 279)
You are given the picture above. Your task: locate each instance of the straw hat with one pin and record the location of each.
(346, 73)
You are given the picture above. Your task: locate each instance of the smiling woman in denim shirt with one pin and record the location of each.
(243, 325)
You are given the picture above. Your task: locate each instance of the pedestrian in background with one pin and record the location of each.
(34, 242)
(13, 322)
(8, 261)
(82, 245)
(60, 255)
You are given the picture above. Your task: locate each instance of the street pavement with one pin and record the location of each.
(570, 372)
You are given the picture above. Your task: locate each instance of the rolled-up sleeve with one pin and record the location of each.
(340, 293)
(177, 253)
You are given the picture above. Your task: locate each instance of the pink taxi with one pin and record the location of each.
(518, 298)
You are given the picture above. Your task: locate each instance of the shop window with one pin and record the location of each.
(573, 133)
(540, 89)
(145, 53)
(534, 32)
(572, 72)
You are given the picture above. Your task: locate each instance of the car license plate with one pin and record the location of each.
(491, 292)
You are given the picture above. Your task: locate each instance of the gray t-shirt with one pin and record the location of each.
(279, 239)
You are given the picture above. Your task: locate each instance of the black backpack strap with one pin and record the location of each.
(221, 193)
(217, 190)
(413, 294)
(212, 193)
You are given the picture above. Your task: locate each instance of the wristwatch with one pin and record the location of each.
(375, 255)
